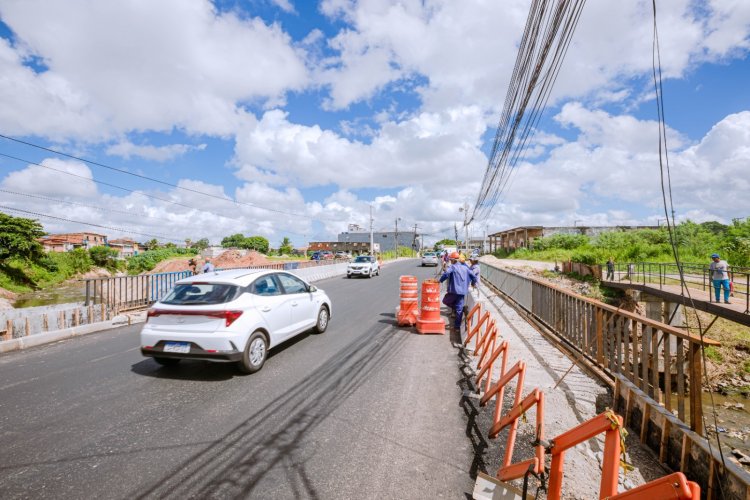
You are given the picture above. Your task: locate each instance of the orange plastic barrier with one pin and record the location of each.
(429, 320)
(510, 471)
(473, 315)
(486, 343)
(607, 422)
(408, 297)
(475, 329)
(672, 486)
(498, 391)
(487, 368)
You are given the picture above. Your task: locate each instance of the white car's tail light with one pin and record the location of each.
(228, 316)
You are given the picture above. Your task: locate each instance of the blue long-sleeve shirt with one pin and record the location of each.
(459, 277)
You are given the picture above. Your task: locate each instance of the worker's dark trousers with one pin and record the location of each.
(455, 302)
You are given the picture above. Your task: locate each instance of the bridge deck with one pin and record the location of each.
(700, 299)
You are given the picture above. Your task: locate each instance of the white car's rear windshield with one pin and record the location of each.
(201, 294)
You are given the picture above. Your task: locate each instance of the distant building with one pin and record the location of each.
(355, 248)
(70, 241)
(213, 251)
(125, 247)
(524, 236)
(386, 240)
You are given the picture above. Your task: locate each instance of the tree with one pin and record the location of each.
(201, 244)
(152, 244)
(444, 243)
(286, 246)
(104, 257)
(257, 243)
(19, 239)
(236, 240)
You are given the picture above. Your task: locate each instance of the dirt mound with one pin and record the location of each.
(228, 259)
(171, 266)
(240, 258)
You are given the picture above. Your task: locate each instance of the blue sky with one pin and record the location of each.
(303, 115)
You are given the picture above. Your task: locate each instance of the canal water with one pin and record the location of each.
(63, 294)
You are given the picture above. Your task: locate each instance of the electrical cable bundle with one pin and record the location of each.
(546, 37)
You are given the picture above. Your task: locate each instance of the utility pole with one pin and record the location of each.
(395, 242)
(414, 242)
(372, 246)
(466, 227)
(455, 230)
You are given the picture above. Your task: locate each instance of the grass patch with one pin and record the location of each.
(713, 354)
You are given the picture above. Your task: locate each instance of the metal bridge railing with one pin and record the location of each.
(696, 276)
(663, 361)
(122, 293)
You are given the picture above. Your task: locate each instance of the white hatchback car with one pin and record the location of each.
(232, 316)
(363, 265)
(430, 259)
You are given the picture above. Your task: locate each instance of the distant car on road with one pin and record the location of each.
(232, 316)
(363, 265)
(341, 255)
(326, 255)
(430, 259)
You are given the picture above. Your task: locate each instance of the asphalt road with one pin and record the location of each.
(365, 410)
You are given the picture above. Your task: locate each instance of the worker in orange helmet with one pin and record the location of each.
(459, 277)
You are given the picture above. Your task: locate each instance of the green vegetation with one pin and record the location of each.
(444, 243)
(239, 240)
(147, 260)
(22, 275)
(286, 247)
(105, 257)
(713, 354)
(695, 243)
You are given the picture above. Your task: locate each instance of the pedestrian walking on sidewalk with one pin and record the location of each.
(611, 269)
(459, 278)
(719, 271)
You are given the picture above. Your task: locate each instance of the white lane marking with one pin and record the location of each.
(19, 383)
(112, 355)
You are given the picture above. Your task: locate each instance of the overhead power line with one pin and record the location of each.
(122, 230)
(165, 183)
(139, 193)
(546, 37)
(57, 200)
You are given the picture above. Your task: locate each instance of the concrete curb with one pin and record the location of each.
(67, 333)
(314, 274)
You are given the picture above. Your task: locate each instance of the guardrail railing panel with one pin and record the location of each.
(615, 340)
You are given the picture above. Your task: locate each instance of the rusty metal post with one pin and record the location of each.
(696, 401)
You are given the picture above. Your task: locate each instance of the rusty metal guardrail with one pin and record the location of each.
(663, 361)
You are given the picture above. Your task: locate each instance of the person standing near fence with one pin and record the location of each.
(611, 269)
(459, 277)
(208, 266)
(719, 271)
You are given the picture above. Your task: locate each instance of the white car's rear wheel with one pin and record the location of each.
(255, 353)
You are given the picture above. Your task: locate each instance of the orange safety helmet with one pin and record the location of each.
(453, 256)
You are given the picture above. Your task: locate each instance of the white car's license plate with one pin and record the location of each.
(176, 347)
